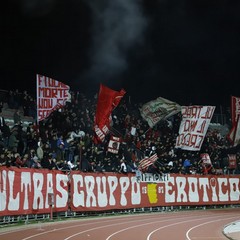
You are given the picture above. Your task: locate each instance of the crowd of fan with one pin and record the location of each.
(64, 140)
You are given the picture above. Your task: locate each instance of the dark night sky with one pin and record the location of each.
(186, 51)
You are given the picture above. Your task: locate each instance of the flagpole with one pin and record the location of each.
(146, 131)
(115, 130)
(80, 157)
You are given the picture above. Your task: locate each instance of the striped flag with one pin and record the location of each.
(146, 162)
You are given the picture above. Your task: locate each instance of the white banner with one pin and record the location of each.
(194, 125)
(51, 95)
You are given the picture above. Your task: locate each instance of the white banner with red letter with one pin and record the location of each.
(51, 95)
(193, 127)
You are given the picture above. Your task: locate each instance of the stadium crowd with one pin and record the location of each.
(64, 140)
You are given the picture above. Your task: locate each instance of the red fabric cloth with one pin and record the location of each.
(108, 100)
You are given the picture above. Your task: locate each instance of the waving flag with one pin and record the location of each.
(51, 95)
(158, 109)
(108, 100)
(146, 162)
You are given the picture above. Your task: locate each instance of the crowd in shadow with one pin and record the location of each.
(64, 140)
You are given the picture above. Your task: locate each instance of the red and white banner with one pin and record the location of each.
(51, 95)
(114, 144)
(237, 133)
(235, 109)
(26, 191)
(232, 161)
(193, 127)
(158, 109)
(108, 100)
(146, 162)
(234, 134)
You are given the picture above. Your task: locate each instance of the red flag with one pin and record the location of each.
(146, 162)
(108, 100)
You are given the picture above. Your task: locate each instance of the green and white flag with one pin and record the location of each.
(158, 109)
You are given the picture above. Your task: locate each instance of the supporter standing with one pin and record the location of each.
(17, 117)
(2, 160)
(123, 166)
(9, 159)
(186, 164)
(13, 142)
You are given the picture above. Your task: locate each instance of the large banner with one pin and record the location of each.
(108, 100)
(158, 109)
(193, 127)
(51, 95)
(26, 191)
